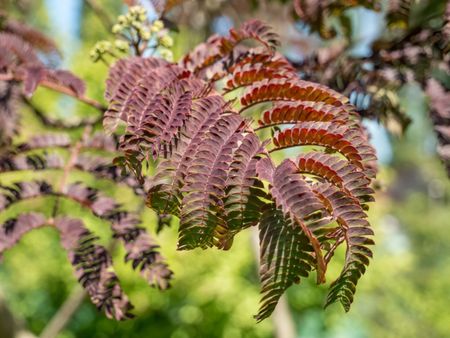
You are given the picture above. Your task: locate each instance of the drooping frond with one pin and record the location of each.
(294, 196)
(93, 268)
(92, 263)
(286, 255)
(70, 155)
(355, 233)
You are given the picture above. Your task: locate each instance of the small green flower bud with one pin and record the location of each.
(122, 19)
(136, 24)
(166, 54)
(103, 46)
(166, 41)
(142, 17)
(135, 9)
(94, 55)
(157, 26)
(145, 34)
(117, 28)
(121, 45)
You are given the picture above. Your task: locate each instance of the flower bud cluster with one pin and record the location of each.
(133, 30)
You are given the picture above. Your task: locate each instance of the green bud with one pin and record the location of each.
(145, 34)
(157, 26)
(117, 28)
(103, 46)
(122, 19)
(94, 55)
(121, 45)
(166, 54)
(166, 41)
(135, 9)
(142, 17)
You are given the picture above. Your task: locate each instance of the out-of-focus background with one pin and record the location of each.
(405, 292)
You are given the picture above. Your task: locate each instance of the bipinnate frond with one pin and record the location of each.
(91, 261)
(122, 89)
(53, 152)
(215, 168)
(243, 201)
(60, 159)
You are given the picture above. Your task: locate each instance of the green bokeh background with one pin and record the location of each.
(404, 293)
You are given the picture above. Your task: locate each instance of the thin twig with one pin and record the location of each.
(100, 13)
(65, 313)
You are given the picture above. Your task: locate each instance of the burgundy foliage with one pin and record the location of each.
(213, 163)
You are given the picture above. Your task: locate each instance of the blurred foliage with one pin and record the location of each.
(404, 293)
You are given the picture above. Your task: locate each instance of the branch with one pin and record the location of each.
(60, 89)
(100, 13)
(65, 313)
